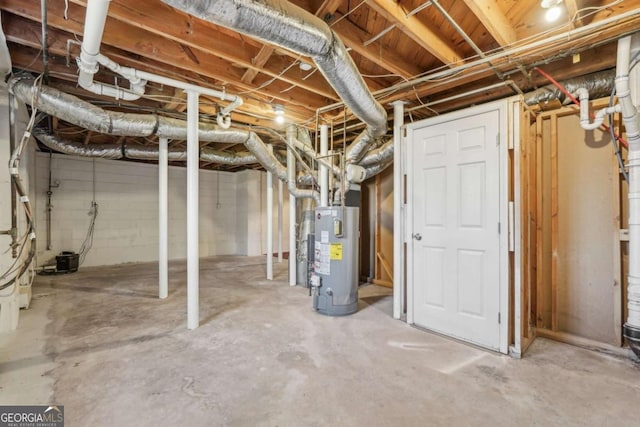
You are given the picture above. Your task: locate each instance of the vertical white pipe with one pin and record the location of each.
(324, 171)
(95, 19)
(163, 219)
(398, 259)
(193, 253)
(292, 240)
(270, 224)
(280, 206)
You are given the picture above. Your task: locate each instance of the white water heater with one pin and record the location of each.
(335, 262)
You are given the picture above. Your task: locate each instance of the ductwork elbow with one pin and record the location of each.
(284, 24)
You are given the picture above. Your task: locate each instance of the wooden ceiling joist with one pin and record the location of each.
(423, 34)
(494, 20)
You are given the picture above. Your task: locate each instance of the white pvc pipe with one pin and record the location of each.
(398, 258)
(324, 171)
(95, 18)
(632, 125)
(280, 206)
(585, 120)
(137, 75)
(292, 240)
(269, 226)
(163, 219)
(193, 252)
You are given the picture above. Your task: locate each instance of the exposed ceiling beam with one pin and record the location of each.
(572, 10)
(138, 41)
(423, 34)
(494, 20)
(354, 38)
(204, 37)
(327, 9)
(259, 61)
(27, 32)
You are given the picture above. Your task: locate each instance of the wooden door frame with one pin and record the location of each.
(503, 107)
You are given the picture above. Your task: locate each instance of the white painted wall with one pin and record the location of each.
(232, 210)
(12, 298)
(252, 214)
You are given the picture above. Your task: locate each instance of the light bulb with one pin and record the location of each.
(553, 14)
(279, 119)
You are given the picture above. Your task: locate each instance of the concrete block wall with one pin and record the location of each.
(252, 212)
(126, 229)
(232, 210)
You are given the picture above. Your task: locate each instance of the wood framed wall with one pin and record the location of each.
(573, 208)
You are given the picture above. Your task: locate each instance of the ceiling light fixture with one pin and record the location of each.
(548, 4)
(552, 14)
(279, 110)
(554, 11)
(305, 66)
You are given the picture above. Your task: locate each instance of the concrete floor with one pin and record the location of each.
(100, 343)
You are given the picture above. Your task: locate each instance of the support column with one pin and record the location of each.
(270, 225)
(292, 240)
(324, 171)
(398, 209)
(163, 219)
(193, 250)
(280, 206)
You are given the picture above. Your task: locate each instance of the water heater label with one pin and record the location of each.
(322, 264)
(336, 252)
(324, 236)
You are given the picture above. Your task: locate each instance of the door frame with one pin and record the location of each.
(502, 107)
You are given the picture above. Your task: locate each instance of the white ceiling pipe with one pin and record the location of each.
(585, 120)
(94, 21)
(308, 151)
(630, 118)
(134, 75)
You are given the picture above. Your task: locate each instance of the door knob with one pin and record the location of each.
(417, 236)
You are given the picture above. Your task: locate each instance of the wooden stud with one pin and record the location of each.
(538, 207)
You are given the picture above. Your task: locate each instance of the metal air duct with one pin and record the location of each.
(284, 24)
(598, 84)
(81, 113)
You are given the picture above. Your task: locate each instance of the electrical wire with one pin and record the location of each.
(87, 244)
(21, 265)
(348, 13)
(614, 140)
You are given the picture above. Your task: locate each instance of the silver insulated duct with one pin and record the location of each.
(284, 24)
(81, 113)
(138, 152)
(598, 84)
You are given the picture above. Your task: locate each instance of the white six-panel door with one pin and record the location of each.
(454, 168)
